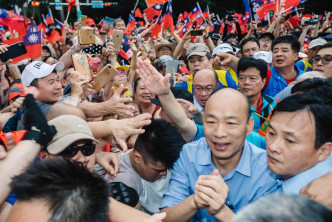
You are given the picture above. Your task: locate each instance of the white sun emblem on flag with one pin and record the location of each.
(33, 38)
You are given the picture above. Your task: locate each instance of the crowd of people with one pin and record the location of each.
(239, 130)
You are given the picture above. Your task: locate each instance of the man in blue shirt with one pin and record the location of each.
(285, 51)
(299, 141)
(221, 161)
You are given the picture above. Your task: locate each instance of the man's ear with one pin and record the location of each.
(43, 155)
(324, 151)
(138, 158)
(250, 125)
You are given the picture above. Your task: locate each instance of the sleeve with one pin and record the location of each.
(178, 189)
(199, 133)
(230, 81)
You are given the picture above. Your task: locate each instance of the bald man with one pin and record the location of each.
(204, 83)
(217, 175)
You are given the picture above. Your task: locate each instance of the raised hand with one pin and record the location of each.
(154, 81)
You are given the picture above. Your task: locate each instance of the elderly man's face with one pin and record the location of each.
(204, 84)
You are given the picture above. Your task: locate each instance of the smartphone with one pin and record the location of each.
(117, 39)
(104, 76)
(196, 32)
(172, 67)
(148, 45)
(94, 49)
(83, 20)
(86, 36)
(14, 50)
(81, 65)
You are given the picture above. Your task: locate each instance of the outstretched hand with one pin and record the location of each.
(154, 81)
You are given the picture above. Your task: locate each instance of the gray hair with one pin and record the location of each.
(284, 207)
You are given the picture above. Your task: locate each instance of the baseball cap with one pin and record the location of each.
(69, 130)
(179, 93)
(199, 49)
(263, 55)
(224, 47)
(317, 42)
(15, 91)
(37, 70)
(162, 61)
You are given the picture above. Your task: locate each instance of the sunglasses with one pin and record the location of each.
(72, 150)
(121, 73)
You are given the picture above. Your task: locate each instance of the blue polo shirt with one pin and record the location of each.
(250, 180)
(276, 82)
(294, 184)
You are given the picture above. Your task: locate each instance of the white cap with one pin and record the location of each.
(317, 42)
(224, 47)
(266, 56)
(37, 70)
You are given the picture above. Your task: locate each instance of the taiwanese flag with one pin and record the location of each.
(183, 31)
(12, 20)
(49, 18)
(101, 23)
(153, 12)
(139, 17)
(58, 24)
(150, 3)
(199, 19)
(31, 26)
(265, 9)
(168, 18)
(206, 13)
(54, 36)
(70, 4)
(131, 23)
(194, 13)
(32, 42)
(155, 31)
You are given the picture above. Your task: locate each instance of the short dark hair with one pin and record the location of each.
(71, 191)
(290, 39)
(246, 63)
(160, 142)
(327, 45)
(315, 86)
(284, 207)
(316, 106)
(34, 83)
(249, 39)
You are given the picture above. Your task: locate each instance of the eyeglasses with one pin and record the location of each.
(72, 150)
(121, 73)
(251, 78)
(207, 89)
(266, 40)
(325, 60)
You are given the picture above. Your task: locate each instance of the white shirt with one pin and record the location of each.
(199, 107)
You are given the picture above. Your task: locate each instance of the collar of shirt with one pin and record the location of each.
(243, 167)
(199, 107)
(294, 184)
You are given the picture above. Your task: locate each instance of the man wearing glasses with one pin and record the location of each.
(204, 83)
(322, 60)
